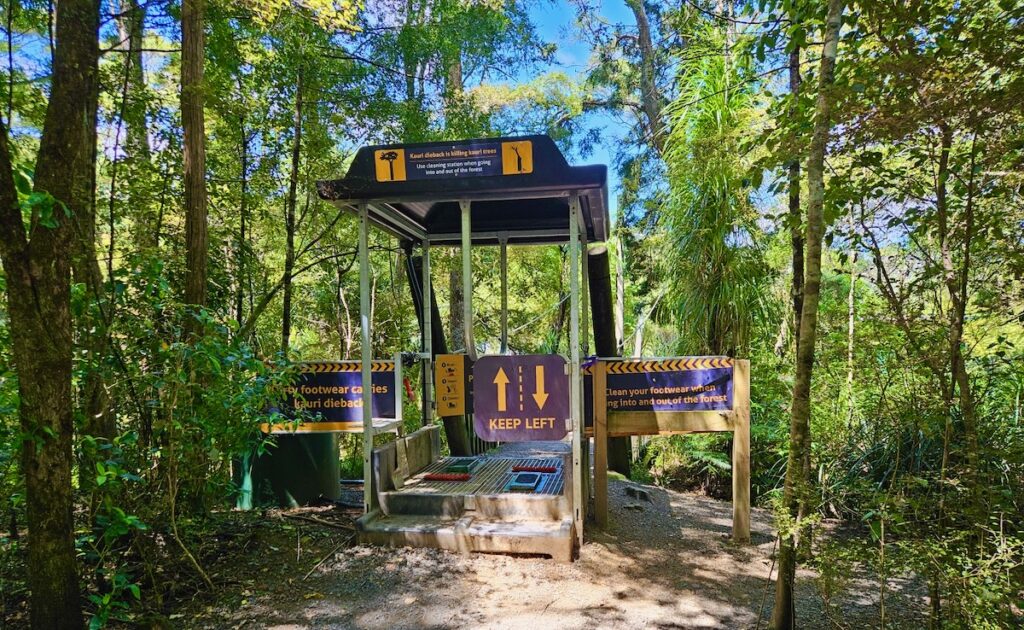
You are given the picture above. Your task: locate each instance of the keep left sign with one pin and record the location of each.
(521, 398)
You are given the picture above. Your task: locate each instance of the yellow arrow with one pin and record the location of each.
(501, 380)
(540, 396)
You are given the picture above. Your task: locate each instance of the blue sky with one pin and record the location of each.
(555, 22)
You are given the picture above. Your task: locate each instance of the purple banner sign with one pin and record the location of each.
(681, 384)
(333, 392)
(520, 398)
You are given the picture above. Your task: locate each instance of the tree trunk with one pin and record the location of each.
(605, 342)
(289, 220)
(37, 268)
(797, 481)
(130, 29)
(243, 218)
(795, 219)
(650, 98)
(194, 128)
(620, 299)
(91, 327)
(851, 302)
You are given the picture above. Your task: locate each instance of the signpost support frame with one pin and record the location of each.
(575, 395)
(467, 279)
(428, 339)
(367, 355)
(624, 423)
(504, 295)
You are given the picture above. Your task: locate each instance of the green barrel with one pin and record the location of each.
(298, 471)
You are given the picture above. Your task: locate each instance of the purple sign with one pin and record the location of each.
(521, 398)
(682, 384)
(333, 392)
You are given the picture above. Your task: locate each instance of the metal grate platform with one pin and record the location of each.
(489, 478)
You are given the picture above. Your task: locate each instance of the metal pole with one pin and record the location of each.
(399, 407)
(367, 353)
(467, 280)
(504, 295)
(586, 293)
(428, 338)
(575, 400)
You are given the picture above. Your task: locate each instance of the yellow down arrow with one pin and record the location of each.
(501, 380)
(540, 396)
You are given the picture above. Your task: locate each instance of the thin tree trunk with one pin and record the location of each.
(38, 275)
(620, 299)
(194, 127)
(850, 319)
(243, 217)
(130, 27)
(797, 482)
(795, 218)
(92, 326)
(289, 221)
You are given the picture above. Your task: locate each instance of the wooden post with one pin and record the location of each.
(600, 443)
(740, 452)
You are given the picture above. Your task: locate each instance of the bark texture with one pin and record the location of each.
(796, 484)
(605, 342)
(289, 220)
(194, 128)
(650, 98)
(37, 266)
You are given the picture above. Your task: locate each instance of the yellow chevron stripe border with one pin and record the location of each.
(640, 366)
(321, 367)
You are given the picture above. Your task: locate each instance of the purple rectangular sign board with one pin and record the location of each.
(334, 392)
(521, 398)
(682, 384)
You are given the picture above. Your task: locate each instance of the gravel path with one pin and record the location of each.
(667, 563)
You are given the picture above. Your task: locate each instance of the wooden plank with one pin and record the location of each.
(622, 423)
(741, 453)
(600, 443)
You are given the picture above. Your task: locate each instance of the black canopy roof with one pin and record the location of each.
(519, 190)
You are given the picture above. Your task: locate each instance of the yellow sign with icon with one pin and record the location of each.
(450, 384)
(389, 165)
(517, 157)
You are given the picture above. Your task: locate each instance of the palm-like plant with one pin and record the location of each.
(717, 279)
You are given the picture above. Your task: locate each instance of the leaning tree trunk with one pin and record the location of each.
(194, 127)
(38, 274)
(797, 481)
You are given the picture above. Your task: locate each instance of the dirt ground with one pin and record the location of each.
(667, 563)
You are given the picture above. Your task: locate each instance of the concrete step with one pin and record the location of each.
(470, 534)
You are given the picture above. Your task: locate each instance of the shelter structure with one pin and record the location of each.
(530, 494)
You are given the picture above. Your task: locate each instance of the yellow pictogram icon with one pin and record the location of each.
(517, 157)
(389, 165)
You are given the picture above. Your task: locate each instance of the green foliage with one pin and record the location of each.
(718, 274)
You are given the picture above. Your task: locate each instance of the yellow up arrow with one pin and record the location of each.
(501, 380)
(540, 396)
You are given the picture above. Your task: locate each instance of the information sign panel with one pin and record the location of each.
(450, 384)
(331, 395)
(521, 398)
(441, 161)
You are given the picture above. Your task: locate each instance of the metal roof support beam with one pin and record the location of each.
(467, 278)
(575, 394)
(504, 295)
(543, 236)
(366, 353)
(428, 338)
